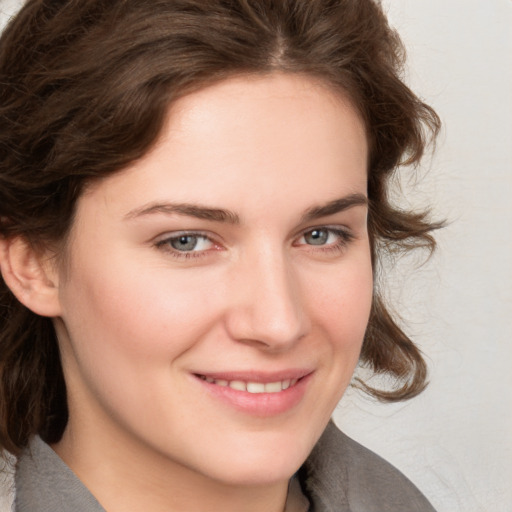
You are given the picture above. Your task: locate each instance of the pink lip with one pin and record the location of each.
(258, 404)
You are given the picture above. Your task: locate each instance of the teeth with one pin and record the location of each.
(273, 387)
(256, 387)
(253, 387)
(238, 384)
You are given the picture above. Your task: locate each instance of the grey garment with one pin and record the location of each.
(340, 475)
(44, 483)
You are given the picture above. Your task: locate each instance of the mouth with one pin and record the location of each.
(260, 394)
(255, 387)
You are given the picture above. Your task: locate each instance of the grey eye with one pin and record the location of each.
(316, 237)
(185, 242)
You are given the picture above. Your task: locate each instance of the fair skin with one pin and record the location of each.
(235, 252)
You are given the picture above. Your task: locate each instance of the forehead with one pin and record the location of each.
(266, 111)
(260, 138)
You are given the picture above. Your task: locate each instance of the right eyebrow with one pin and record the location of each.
(185, 209)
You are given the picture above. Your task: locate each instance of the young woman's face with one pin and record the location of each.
(215, 295)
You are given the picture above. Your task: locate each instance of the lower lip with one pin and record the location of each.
(259, 404)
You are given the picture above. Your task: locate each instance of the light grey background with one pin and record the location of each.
(455, 440)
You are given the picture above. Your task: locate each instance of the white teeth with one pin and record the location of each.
(256, 387)
(273, 387)
(238, 384)
(253, 387)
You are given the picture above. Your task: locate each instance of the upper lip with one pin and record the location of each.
(257, 376)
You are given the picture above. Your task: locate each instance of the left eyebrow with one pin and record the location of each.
(335, 206)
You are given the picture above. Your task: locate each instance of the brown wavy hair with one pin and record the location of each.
(84, 90)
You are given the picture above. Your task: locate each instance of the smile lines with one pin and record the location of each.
(252, 387)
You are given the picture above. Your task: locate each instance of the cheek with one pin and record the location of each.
(130, 321)
(343, 302)
(342, 309)
(126, 332)
(140, 319)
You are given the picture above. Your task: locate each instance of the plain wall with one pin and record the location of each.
(455, 440)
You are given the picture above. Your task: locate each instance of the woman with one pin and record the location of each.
(193, 201)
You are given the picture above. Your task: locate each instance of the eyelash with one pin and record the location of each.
(344, 238)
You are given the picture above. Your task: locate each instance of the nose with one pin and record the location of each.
(267, 308)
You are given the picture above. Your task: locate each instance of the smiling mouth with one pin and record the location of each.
(252, 387)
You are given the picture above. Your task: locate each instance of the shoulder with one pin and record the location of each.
(44, 483)
(342, 475)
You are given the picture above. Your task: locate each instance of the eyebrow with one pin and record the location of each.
(221, 215)
(186, 209)
(335, 206)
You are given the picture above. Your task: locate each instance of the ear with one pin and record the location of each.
(31, 276)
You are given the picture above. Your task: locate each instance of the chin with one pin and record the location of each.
(260, 472)
(261, 459)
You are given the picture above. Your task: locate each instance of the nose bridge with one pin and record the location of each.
(269, 308)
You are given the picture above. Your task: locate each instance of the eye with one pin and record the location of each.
(190, 243)
(183, 243)
(324, 240)
(325, 236)
(317, 237)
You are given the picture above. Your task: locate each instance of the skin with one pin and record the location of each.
(138, 319)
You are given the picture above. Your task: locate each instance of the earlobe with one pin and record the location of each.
(30, 276)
